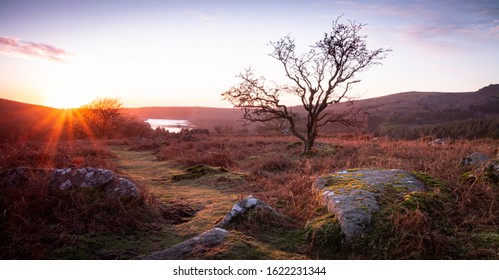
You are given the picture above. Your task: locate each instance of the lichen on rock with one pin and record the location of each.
(243, 207)
(474, 159)
(71, 179)
(325, 234)
(196, 245)
(353, 196)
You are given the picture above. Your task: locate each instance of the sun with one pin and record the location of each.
(65, 101)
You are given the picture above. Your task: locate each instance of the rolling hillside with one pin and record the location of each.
(401, 115)
(21, 120)
(426, 113)
(395, 111)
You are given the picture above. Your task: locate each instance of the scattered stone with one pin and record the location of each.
(481, 167)
(488, 170)
(122, 188)
(474, 159)
(198, 171)
(492, 171)
(353, 195)
(197, 245)
(70, 178)
(242, 207)
(80, 178)
(437, 141)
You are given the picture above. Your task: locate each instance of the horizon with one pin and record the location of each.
(236, 108)
(186, 53)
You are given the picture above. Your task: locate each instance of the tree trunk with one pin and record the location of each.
(308, 144)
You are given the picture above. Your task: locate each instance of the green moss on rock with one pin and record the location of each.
(197, 171)
(325, 235)
(402, 227)
(428, 180)
(407, 209)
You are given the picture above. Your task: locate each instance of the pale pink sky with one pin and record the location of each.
(185, 53)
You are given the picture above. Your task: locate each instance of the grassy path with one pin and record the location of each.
(196, 205)
(204, 204)
(209, 198)
(208, 201)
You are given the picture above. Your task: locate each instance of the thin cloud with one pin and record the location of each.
(449, 25)
(494, 31)
(18, 47)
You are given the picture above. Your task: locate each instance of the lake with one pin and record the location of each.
(169, 124)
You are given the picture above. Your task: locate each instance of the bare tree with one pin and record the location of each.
(320, 77)
(103, 116)
(274, 126)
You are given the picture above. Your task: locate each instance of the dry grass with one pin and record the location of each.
(36, 220)
(61, 154)
(278, 176)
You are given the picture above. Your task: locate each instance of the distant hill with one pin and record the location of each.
(18, 120)
(393, 112)
(423, 112)
(14, 108)
(402, 115)
(484, 100)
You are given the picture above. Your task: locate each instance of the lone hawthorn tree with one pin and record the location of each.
(103, 116)
(320, 77)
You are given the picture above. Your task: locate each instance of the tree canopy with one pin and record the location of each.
(103, 116)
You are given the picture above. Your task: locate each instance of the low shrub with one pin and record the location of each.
(197, 171)
(273, 165)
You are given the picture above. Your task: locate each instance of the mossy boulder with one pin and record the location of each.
(487, 170)
(199, 244)
(325, 235)
(379, 214)
(353, 196)
(198, 171)
(474, 159)
(240, 246)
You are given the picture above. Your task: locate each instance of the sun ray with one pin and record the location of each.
(54, 137)
(45, 123)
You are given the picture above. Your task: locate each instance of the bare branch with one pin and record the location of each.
(320, 77)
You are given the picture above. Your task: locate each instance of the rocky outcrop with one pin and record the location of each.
(474, 159)
(492, 171)
(197, 245)
(353, 196)
(70, 178)
(479, 165)
(202, 243)
(243, 207)
(80, 178)
(437, 141)
(122, 187)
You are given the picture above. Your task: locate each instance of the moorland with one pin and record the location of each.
(456, 221)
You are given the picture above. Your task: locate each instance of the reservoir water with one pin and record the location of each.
(171, 125)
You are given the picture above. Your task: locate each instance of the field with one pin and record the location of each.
(37, 224)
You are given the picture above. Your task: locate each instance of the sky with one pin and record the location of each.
(187, 52)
